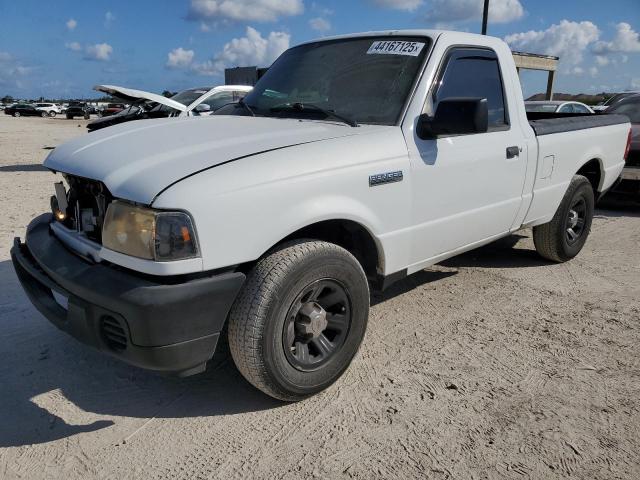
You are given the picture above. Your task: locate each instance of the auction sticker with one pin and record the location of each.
(396, 47)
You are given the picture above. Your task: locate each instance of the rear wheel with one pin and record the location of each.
(52, 114)
(564, 236)
(16, 114)
(299, 319)
(44, 114)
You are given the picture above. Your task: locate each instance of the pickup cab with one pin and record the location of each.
(354, 162)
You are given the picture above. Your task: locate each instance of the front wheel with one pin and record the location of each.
(44, 114)
(16, 114)
(564, 236)
(52, 114)
(299, 319)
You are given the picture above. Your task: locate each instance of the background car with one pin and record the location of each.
(77, 109)
(630, 106)
(111, 109)
(50, 108)
(192, 102)
(559, 106)
(24, 109)
(614, 100)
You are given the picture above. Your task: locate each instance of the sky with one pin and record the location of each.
(62, 48)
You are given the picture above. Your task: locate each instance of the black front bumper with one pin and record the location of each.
(169, 325)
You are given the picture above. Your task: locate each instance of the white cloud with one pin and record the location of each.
(100, 52)
(243, 10)
(626, 40)
(5, 57)
(320, 24)
(71, 24)
(602, 60)
(109, 18)
(252, 49)
(567, 40)
(407, 5)
(75, 46)
(593, 71)
(455, 11)
(635, 84)
(577, 70)
(179, 58)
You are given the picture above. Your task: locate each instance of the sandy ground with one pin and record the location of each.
(495, 364)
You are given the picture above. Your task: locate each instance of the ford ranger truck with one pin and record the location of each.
(355, 161)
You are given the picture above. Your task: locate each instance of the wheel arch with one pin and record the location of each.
(594, 172)
(351, 235)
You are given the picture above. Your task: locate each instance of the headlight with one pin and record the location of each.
(147, 233)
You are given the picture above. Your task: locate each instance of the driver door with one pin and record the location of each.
(466, 188)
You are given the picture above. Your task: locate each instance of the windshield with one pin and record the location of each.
(630, 108)
(540, 107)
(365, 79)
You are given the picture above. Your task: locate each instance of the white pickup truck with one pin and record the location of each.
(355, 161)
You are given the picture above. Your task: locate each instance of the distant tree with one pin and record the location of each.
(7, 99)
(168, 94)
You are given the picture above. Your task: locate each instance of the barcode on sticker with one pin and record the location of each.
(395, 47)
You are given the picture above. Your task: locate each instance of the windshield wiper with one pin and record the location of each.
(246, 107)
(310, 107)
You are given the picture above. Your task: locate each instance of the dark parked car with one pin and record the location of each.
(630, 107)
(78, 109)
(617, 98)
(24, 109)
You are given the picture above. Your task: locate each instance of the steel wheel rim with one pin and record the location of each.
(576, 220)
(308, 342)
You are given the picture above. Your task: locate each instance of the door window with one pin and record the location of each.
(219, 100)
(472, 73)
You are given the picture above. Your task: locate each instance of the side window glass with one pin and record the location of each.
(580, 109)
(566, 109)
(473, 73)
(238, 95)
(219, 100)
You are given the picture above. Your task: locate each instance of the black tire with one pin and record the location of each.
(52, 114)
(16, 114)
(69, 117)
(264, 316)
(86, 116)
(564, 236)
(44, 114)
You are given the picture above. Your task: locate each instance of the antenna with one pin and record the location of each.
(485, 17)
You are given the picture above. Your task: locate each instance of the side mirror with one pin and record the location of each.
(203, 107)
(455, 116)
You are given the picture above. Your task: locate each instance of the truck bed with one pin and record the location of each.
(549, 123)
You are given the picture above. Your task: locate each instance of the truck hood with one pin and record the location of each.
(130, 95)
(138, 160)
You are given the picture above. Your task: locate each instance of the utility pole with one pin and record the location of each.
(485, 17)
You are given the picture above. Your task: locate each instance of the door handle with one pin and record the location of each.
(513, 152)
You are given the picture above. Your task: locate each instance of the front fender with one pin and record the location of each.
(243, 208)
